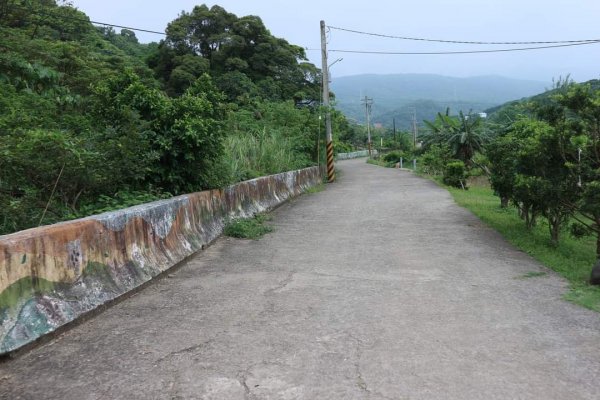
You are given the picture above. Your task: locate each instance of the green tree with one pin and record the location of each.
(528, 167)
(502, 155)
(231, 45)
(185, 133)
(463, 133)
(581, 153)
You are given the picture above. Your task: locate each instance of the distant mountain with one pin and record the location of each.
(508, 112)
(395, 96)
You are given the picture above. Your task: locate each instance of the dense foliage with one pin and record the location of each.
(541, 155)
(92, 120)
(245, 59)
(548, 161)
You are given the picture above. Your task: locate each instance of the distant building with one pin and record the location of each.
(378, 125)
(480, 115)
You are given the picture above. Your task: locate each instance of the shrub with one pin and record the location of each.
(393, 157)
(435, 159)
(455, 174)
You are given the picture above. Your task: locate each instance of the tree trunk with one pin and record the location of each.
(554, 225)
(503, 201)
(524, 213)
(598, 238)
(530, 218)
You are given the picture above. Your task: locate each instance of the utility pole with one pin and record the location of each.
(325, 81)
(414, 127)
(368, 103)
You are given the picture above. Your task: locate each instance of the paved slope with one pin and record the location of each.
(377, 288)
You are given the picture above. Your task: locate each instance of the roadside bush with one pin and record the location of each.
(44, 174)
(393, 157)
(435, 159)
(455, 174)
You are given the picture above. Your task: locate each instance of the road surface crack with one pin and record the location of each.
(360, 381)
(185, 350)
(242, 377)
(282, 284)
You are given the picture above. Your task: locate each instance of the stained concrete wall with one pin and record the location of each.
(51, 275)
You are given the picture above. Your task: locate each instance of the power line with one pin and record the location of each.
(461, 41)
(461, 52)
(127, 27)
(68, 17)
(562, 43)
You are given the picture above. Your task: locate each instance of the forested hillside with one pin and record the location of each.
(398, 95)
(92, 120)
(509, 112)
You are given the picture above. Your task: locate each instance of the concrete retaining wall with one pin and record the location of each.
(51, 275)
(355, 154)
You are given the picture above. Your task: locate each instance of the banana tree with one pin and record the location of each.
(464, 134)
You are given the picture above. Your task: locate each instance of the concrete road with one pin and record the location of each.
(379, 287)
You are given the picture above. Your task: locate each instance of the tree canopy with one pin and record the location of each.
(234, 50)
(91, 119)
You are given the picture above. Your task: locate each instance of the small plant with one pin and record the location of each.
(455, 174)
(248, 228)
(315, 189)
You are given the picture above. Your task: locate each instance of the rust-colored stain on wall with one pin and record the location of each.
(51, 275)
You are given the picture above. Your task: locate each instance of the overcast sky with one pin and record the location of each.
(464, 20)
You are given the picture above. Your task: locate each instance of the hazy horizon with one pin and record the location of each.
(483, 75)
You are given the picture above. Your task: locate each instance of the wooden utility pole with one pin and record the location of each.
(414, 127)
(325, 81)
(368, 103)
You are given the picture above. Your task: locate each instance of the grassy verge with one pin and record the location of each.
(377, 162)
(315, 189)
(248, 228)
(573, 258)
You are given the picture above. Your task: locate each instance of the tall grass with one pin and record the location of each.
(267, 151)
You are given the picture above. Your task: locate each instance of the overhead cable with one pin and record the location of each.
(462, 41)
(39, 12)
(460, 52)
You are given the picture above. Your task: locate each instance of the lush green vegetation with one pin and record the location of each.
(92, 120)
(379, 162)
(542, 156)
(248, 228)
(572, 258)
(548, 163)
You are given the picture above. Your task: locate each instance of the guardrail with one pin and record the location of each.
(52, 275)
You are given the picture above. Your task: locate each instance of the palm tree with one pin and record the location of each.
(463, 133)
